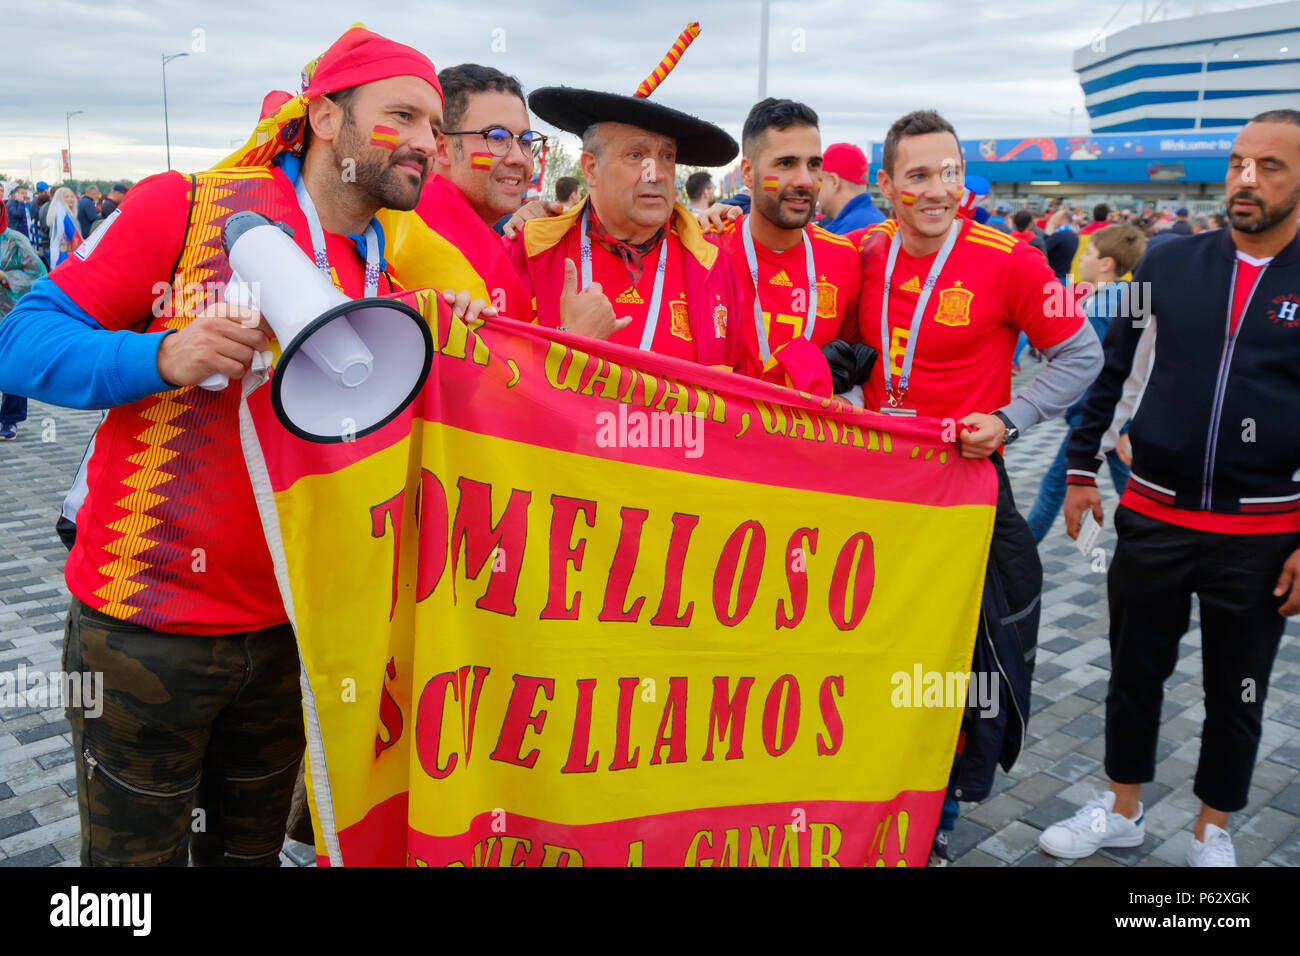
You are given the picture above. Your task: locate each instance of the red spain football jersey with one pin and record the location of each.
(783, 293)
(672, 334)
(168, 533)
(990, 288)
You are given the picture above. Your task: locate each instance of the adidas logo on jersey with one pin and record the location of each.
(912, 285)
(780, 279)
(630, 297)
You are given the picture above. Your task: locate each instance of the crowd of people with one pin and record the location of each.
(37, 233)
(58, 212)
(918, 314)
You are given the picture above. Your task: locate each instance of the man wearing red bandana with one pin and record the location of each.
(628, 263)
(175, 601)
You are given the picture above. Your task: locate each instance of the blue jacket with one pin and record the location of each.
(1207, 382)
(857, 213)
(1100, 308)
(22, 219)
(87, 212)
(740, 199)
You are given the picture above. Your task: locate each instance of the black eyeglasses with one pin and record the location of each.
(498, 139)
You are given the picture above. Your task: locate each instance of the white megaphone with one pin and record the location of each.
(324, 388)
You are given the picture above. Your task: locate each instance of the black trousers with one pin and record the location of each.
(1156, 569)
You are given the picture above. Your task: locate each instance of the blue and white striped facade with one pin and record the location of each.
(1211, 72)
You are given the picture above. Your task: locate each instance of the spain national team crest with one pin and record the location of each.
(720, 321)
(681, 320)
(954, 305)
(825, 298)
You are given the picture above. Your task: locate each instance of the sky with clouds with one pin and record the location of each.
(994, 69)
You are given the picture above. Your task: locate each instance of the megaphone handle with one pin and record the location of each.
(236, 293)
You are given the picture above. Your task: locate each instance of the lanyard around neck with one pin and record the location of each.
(318, 241)
(661, 267)
(751, 259)
(930, 281)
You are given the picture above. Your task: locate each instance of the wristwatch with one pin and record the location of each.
(1012, 431)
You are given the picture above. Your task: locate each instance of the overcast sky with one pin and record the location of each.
(994, 69)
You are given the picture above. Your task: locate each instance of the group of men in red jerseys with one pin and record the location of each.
(768, 296)
(921, 315)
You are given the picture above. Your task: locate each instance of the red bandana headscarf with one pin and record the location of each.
(357, 57)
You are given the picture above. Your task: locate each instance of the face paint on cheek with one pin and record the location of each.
(383, 136)
(906, 198)
(770, 183)
(481, 160)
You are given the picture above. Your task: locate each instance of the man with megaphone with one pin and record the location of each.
(175, 599)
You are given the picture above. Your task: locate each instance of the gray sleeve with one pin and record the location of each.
(1071, 368)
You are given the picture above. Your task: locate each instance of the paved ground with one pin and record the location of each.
(1059, 771)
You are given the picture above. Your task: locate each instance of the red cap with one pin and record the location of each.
(359, 57)
(846, 161)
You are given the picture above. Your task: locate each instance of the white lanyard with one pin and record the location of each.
(318, 242)
(661, 267)
(751, 259)
(930, 281)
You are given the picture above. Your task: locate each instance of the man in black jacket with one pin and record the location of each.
(111, 201)
(88, 209)
(1213, 505)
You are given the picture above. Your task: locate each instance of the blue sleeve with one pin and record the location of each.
(52, 350)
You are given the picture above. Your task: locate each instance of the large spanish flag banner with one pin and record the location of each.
(584, 605)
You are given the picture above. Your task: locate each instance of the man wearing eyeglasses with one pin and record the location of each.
(482, 164)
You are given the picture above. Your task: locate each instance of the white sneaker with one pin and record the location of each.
(1094, 826)
(1215, 851)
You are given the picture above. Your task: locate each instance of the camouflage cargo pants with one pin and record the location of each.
(197, 748)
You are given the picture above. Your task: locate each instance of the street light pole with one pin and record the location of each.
(68, 121)
(762, 49)
(167, 133)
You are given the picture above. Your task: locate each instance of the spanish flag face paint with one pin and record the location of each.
(384, 136)
(770, 183)
(906, 198)
(481, 160)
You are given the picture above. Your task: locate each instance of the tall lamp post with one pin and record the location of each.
(166, 125)
(1070, 113)
(69, 130)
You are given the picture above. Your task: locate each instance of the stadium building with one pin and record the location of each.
(1211, 72)
(1165, 100)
